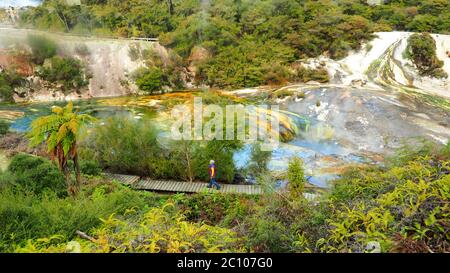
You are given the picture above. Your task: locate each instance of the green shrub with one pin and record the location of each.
(250, 63)
(296, 177)
(274, 223)
(159, 230)
(26, 216)
(421, 50)
(282, 93)
(445, 151)
(215, 208)
(42, 48)
(150, 80)
(276, 75)
(36, 174)
(259, 159)
(8, 81)
(306, 75)
(4, 127)
(401, 207)
(90, 167)
(268, 235)
(66, 71)
(122, 145)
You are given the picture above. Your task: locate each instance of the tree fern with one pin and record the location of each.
(59, 131)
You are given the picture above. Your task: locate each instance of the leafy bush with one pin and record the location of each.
(306, 75)
(247, 64)
(82, 50)
(66, 71)
(4, 127)
(259, 159)
(421, 50)
(296, 177)
(36, 174)
(122, 145)
(403, 208)
(150, 80)
(42, 48)
(274, 224)
(215, 208)
(160, 230)
(90, 167)
(25, 216)
(8, 81)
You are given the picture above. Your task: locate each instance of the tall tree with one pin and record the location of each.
(59, 131)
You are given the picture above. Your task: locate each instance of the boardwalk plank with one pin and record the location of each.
(161, 185)
(200, 186)
(164, 186)
(175, 185)
(156, 184)
(171, 186)
(196, 187)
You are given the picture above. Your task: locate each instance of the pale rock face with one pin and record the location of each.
(386, 51)
(197, 56)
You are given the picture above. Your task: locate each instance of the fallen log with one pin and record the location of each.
(85, 236)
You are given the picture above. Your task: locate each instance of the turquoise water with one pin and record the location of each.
(92, 107)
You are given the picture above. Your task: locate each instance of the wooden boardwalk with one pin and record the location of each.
(122, 178)
(178, 186)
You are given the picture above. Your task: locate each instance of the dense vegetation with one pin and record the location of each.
(126, 145)
(421, 50)
(402, 207)
(149, 80)
(244, 42)
(9, 80)
(67, 72)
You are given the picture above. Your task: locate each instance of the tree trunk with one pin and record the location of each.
(66, 173)
(189, 168)
(77, 172)
(170, 6)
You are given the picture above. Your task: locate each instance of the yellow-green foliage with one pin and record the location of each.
(160, 230)
(58, 129)
(296, 177)
(405, 208)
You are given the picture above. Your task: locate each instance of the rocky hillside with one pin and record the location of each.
(109, 64)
